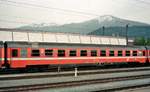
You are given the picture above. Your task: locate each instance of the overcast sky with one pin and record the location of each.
(14, 13)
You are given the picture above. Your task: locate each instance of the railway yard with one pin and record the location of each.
(58, 62)
(116, 79)
(74, 46)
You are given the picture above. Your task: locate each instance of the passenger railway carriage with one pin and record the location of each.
(28, 54)
(27, 48)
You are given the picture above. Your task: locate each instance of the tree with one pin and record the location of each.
(140, 41)
(148, 41)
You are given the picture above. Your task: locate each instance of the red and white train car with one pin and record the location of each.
(24, 54)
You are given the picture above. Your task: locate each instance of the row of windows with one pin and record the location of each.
(61, 53)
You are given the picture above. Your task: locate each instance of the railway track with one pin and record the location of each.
(69, 73)
(63, 69)
(72, 84)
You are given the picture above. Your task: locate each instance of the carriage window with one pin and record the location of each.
(119, 53)
(23, 53)
(127, 53)
(35, 53)
(143, 53)
(14, 53)
(134, 53)
(93, 52)
(83, 53)
(111, 53)
(140, 53)
(48, 52)
(72, 53)
(61, 53)
(103, 52)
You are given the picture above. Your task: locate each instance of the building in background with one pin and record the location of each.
(51, 37)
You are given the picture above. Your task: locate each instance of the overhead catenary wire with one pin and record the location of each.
(46, 9)
(59, 9)
(18, 17)
(49, 7)
(11, 21)
(139, 4)
(40, 6)
(142, 1)
(53, 8)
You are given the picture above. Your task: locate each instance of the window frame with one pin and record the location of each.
(103, 54)
(111, 54)
(60, 54)
(39, 53)
(127, 54)
(74, 54)
(48, 54)
(83, 53)
(93, 53)
(144, 53)
(24, 54)
(134, 54)
(140, 53)
(119, 54)
(12, 55)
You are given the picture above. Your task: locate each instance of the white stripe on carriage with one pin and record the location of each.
(2, 59)
(70, 58)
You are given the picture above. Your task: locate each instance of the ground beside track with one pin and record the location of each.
(101, 87)
(85, 87)
(141, 89)
(7, 83)
(70, 73)
(63, 69)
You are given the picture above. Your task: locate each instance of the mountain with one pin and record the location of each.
(111, 21)
(86, 27)
(81, 28)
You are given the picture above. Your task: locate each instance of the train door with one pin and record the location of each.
(145, 54)
(149, 55)
(1, 56)
(14, 57)
(14, 53)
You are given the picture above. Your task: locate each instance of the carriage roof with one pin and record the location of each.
(68, 45)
